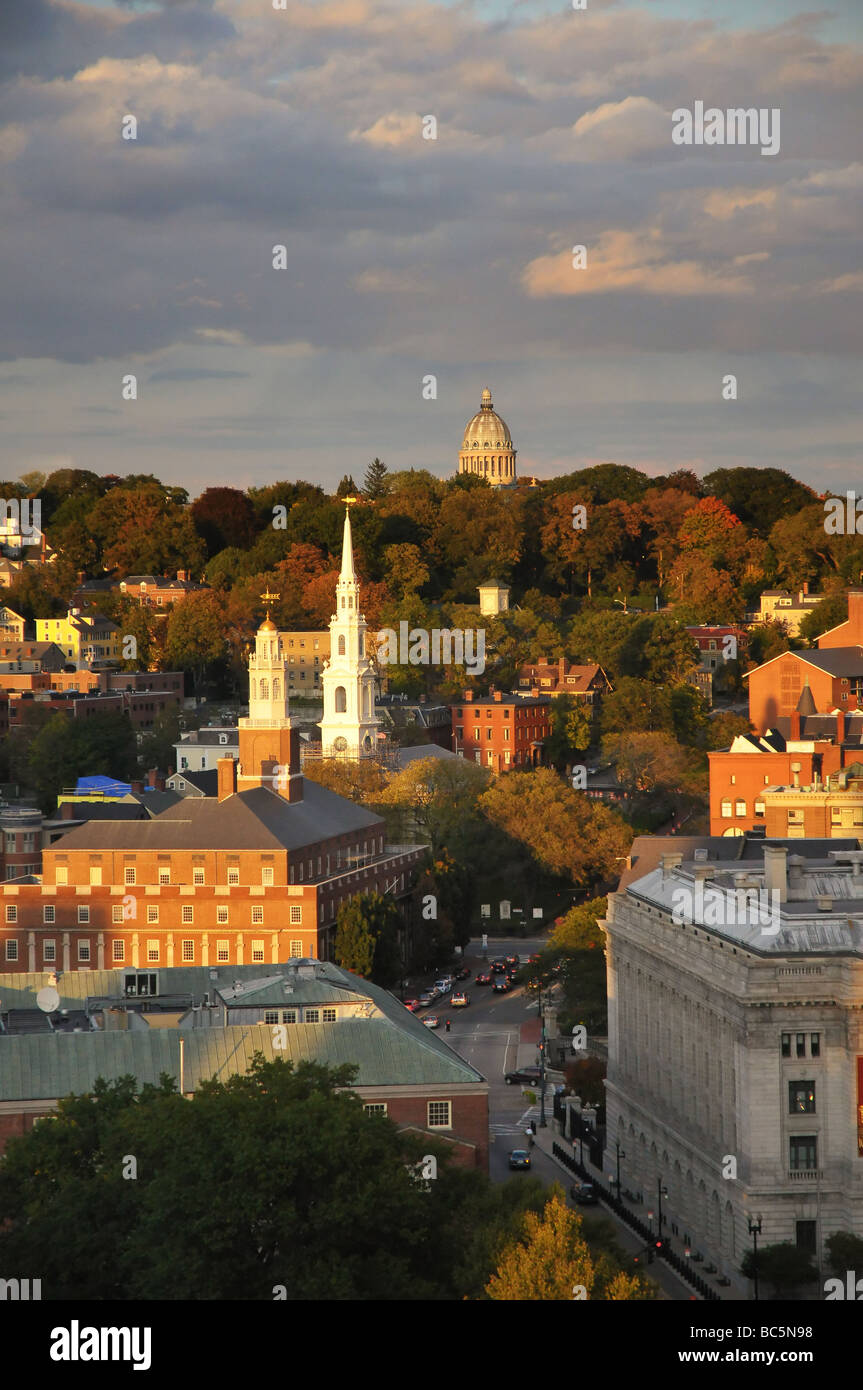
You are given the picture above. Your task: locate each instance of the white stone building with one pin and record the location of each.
(349, 727)
(735, 1071)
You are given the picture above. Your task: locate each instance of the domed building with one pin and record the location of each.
(487, 446)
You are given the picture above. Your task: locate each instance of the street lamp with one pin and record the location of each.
(755, 1232)
(661, 1191)
(543, 1124)
(620, 1154)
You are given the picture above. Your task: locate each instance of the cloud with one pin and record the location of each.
(622, 261)
(194, 374)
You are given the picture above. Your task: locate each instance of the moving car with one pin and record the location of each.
(584, 1193)
(519, 1158)
(444, 984)
(521, 1074)
(500, 984)
(513, 960)
(463, 974)
(432, 1021)
(460, 1000)
(484, 979)
(412, 1004)
(426, 999)
(498, 967)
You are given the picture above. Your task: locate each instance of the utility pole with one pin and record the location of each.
(620, 1154)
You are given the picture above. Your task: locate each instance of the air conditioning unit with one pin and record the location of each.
(207, 1002)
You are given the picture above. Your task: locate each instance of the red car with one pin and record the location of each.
(483, 980)
(412, 1004)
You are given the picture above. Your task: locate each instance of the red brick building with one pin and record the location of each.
(502, 731)
(256, 875)
(833, 672)
(587, 683)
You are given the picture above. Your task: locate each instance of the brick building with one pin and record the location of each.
(586, 683)
(194, 1023)
(157, 591)
(255, 875)
(833, 672)
(502, 731)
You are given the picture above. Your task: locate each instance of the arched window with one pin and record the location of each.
(350, 600)
(265, 690)
(277, 690)
(341, 646)
(341, 699)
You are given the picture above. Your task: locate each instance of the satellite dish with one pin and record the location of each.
(48, 999)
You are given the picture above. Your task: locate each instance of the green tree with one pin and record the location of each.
(196, 637)
(831, 611)
(347, 487)
(844, 1252)
(66, 749)
(571, 729)
(783, 1266)
(376, 483)
(368, 927)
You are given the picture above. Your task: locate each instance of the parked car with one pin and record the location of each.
(500, 984)
(521, 1075)
(426, 999)
(484, 979)
(412, 1004)
(431, 1021)
(584, 1193)
(444, 985)
(519, 1158)
(460, 1001)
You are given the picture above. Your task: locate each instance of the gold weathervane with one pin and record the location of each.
(268, 599)
(349, 501)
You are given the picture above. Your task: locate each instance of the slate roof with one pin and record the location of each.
(206, 782)
(259, 819)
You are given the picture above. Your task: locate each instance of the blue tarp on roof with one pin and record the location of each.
(109, 786)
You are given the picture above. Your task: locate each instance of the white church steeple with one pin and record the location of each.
(349, 726)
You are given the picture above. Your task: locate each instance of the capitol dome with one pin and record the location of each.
(487, 446)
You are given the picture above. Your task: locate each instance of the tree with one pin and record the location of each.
(552, 1260)
(144, 530)
(578, 929)
(223, 517)
(367, 938)
(274, 1179)
(571, 729)
(844, 1252)
(66, 749)
(831, 611)
(585, 1078)
(405, 570)
(783, 1266)
(376, 483)
(196, 634)
(361, 781)
(650, 764)
(758, 496)
(347, 487)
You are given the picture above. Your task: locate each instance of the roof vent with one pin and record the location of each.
(824, 904)
(700, 855)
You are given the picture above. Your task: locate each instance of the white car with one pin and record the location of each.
(444, 984)
(432, 1021)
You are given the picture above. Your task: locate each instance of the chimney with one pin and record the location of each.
(805, 587)
(670, 861)
(498, 695)
(534, 693)
(776, 870)
(468, 695)
(227, 769)
(840, 726)
(137, 787)
(795, 774)
(795, 725)
(182, 575)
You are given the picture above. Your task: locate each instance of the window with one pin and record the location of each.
(164, 875)
(378, 1108)
(49, 913)
(296, 950)
(267, 876)
(11, 912)
(152, 916)
(439, 1116)
(296, 913)
(271, 1016)
(84, 950)
(222, 951)
(801, 1097)
(814, 1044)
(726, 810)
(118, 951)
(759, 807)
(233, 878)
(803, 1153)
(49, 951)
(506, 734)
(84, 915)
(801, 1044)
(312, 1016)
(11, 950)
(328, 1015)
(786, 1044)
(805, 1235)
(129, 876)
(289, 1015)
(257, 951)
(62, 874)
(152, 953)
(489, 733)
(95, 873)
(222, 916)
(198, 877)
(257, 914)
(188, 951)
(117, 914)
(188, 913)
(740, 808)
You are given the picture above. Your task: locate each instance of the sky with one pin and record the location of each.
(409, 258)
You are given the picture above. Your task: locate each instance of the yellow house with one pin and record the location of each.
(86, 639)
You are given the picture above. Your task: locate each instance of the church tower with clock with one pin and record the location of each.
(349, 727)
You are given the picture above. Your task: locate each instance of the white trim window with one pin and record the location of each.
(440, 1114)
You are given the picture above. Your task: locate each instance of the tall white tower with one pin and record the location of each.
(269, 741)
(349, 727)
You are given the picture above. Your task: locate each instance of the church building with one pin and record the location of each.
(349, 727)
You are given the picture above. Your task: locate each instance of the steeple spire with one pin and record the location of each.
(348, 571)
